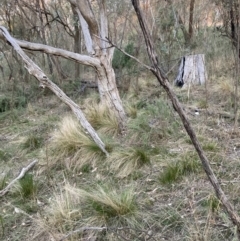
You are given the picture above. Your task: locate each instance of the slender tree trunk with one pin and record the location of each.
(161, 77)
(77, 41)
(190, 27)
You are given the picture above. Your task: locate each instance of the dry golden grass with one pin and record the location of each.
(62, 214)
(101, 118)
(72, 146)
(128, 160)
(95, 207)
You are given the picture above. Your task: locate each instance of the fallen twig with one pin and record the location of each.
(21, 175)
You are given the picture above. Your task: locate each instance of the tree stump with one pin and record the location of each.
(191, 71)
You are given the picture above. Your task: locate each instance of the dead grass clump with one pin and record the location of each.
(72, 143)
(128, 160)
(60, 216)
(76, 208)
(102, 119)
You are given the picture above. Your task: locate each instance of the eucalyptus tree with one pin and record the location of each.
(92, 21)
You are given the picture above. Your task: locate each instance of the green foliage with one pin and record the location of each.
(7, 103)
(3, 181)
(210, 146)
(2, 225)
(28, 188)
(86, 168)
(120, 60)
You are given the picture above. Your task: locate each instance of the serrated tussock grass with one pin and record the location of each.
(60, 217)
(72, 144)
(102, 118)
(98, 206)
(104, 204)
(127, 160)
(183, 167)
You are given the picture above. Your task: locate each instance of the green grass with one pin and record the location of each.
(28, 188)
(169, 217)
(175, 171)
(212, 203)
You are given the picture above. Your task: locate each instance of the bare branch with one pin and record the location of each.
(21, 175)
(82, 59)
(129, 55)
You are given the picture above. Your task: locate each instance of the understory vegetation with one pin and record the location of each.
(152, 185)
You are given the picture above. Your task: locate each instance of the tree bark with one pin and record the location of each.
(77, 41)
(95, 40)
(190, 27)
(162, 79)
(34, 70)
(192, 70)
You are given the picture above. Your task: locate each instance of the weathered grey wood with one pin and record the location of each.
(192, 70)
(36, 71)
(20, 176)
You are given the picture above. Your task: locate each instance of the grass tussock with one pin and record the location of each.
(60, 217)
(128, 160)
(106, 205)
(102, 119)
(27, 187)
(101, 206)
(153, 123)
(175, 171)
(72, 143)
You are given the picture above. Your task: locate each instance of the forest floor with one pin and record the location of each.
(162, 194)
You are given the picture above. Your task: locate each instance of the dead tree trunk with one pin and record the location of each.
(192, 70)
(162, 79)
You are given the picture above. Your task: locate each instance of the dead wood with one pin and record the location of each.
(37, 72)
(20, 176)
